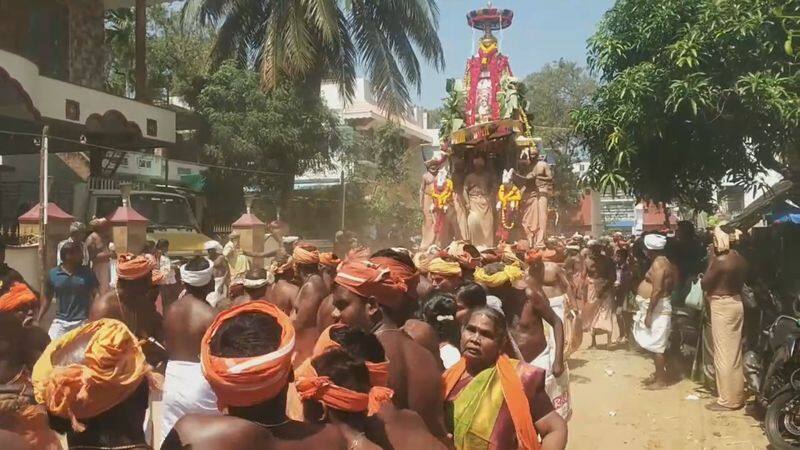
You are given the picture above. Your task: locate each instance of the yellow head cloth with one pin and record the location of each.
(439, 266)
(510, 274)
(110, 371)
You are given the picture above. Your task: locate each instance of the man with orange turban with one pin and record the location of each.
(498, 402)
(94, 383)
(313, 290)
(21, 343)
(133, 302)
(246, 356)
(369, 298)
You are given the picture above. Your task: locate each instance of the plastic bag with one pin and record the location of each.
(694, 299)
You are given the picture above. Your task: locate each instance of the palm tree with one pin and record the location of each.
(307, 41)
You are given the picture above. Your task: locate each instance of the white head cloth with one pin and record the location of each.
(208, 245)
(199, 278)
(655, 241)
(259, 283)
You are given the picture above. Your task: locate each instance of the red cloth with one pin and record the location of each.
(368, 279)
(534, 257)
(329, 259)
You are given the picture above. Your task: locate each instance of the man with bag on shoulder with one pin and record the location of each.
(722, 283)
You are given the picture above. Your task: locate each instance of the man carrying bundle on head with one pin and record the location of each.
(246, 356)
(368, 297)
(185, 323)
(306, 261)
(94, 382)
(21, 344)
(445, 274)
(495, 402)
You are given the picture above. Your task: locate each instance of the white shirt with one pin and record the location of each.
(449, 354)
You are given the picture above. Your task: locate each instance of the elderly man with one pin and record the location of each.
(445, 274)
(722, 284)
(498, 402)
(367, 296)
(652, 323)
(77, 233)
(186, 320)
(246, 356)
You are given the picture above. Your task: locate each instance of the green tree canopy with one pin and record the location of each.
(304, 41)
(553, 93)
(261, 132)
(693, 92)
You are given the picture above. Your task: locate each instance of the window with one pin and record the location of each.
(145, 163)
(184, 171)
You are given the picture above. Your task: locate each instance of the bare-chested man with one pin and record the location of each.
(256, 283)
(186, 320)
(328, 262)
(133, 303)
(367, 297)
(100, 248)
(247, 361)
(598, 311)
(652, 323)
(573, 266)
(312, 290)
(283, 291)
(722, 284)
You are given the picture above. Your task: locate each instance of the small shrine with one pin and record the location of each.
(487, 184)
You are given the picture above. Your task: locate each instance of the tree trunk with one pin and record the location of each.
(141, 50)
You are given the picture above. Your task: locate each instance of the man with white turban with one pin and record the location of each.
(185, 322)
(722, 285)
(214, 251)
(652, 323)
(77, 233)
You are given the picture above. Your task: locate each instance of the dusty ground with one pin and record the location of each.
(612, 411)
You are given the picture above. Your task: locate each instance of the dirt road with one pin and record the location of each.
(612, 411)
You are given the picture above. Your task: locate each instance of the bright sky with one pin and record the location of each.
(542, 31)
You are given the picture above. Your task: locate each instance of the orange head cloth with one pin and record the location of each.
(322, 389)
(534, 257)
(513, 394)
(305, 254)
(367, 279)
(329, 259)
(111, 370)
(378, 371)
(400, 272)
(250, 380)
(19, 296)
(131, 267)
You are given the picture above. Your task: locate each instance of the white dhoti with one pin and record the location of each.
(219, 294)
(653, 339)
(186, 391)
(557, 388)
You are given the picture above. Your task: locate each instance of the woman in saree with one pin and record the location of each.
(494, 402)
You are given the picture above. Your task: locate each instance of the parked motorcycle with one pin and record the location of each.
(769, 365)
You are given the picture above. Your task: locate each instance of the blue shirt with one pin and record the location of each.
(73, 293)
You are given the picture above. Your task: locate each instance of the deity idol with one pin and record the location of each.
(536, 177)
(482, 81)
(436, 201)
(478, 193)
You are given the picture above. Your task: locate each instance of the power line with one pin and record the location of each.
(114, 149)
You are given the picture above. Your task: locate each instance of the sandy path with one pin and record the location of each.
(614, 412)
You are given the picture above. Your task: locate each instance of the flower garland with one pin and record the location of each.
(442, 195)
(506, 198)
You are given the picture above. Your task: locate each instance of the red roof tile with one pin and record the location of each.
(53, 213)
